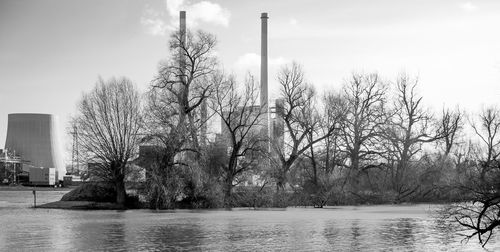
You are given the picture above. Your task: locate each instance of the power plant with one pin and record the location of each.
(272, 125)
(33, 141)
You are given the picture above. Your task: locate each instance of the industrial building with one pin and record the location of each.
(32, 142)
(10, 167)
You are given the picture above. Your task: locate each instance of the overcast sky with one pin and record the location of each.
(53, 50)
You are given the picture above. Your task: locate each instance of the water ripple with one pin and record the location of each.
(370, 228)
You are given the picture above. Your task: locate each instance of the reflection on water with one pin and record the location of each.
(400, 232)
(370, 228)
(355, 234)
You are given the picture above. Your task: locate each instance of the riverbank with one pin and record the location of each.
(37, 188)
(82, 205)
(89, 197)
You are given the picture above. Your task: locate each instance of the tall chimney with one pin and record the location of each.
(203, 107)
(182, 27)
(264, 99)
(182, 58)
(263, 62)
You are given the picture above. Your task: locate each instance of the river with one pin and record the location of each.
(347, 228)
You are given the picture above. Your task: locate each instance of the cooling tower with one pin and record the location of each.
(35, 137)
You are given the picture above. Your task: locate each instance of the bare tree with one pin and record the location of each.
(186, 76)
(177, 114)
(325, 155)
(108, 123)
(335, 113)
(300, 118)
(409, 129)
(167, 139)
(241, 117)
(365, 119)
(488, 132)
(451, 124)
(479, 213)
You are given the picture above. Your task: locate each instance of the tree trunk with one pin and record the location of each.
(120, 191)
(482, 175)
(228, 192)
(314, 166)
(354, 172)
(119, 179)
(281, 179)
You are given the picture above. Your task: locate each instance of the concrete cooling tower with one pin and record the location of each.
(35, 138)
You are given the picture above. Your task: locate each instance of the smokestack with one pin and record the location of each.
(264, 99)
(263, 62)
(203, 107)
(182, 27)
(182, 58)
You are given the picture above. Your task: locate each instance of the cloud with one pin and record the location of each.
(159, 23)
(173, 6)
(468, 6)
(207, 12)
(153, 21)
(293, 21)
(251, 61)
(154, 27)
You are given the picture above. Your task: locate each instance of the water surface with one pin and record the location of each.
(350, 228)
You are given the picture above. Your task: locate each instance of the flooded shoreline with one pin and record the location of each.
(341, 228)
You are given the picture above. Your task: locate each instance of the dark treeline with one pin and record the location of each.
(371, 141)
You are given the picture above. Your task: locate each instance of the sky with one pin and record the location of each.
(51, 51)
